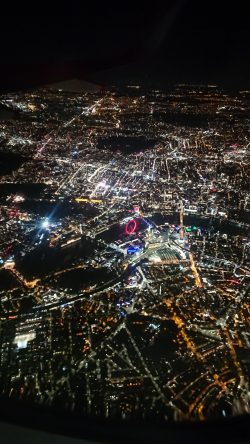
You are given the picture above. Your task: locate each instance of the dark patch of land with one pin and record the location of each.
(126, 144)
(10, 162)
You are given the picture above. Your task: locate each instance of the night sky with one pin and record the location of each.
(110, 42)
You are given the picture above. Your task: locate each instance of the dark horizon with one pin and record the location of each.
(162, 42)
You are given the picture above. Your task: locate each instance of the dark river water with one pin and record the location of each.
(57, 210)
(223, 226)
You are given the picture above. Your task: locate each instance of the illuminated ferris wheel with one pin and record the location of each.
(130, 226)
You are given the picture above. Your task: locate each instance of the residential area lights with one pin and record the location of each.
(124, 251)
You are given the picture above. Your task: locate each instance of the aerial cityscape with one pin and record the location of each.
(124, 251)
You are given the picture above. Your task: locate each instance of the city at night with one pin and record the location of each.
(124, 239)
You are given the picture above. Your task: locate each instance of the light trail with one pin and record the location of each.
(198, 282)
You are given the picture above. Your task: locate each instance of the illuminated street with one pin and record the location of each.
(124, 251)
